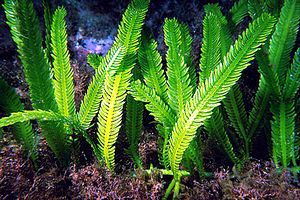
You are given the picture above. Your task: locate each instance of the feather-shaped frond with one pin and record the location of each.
(269, 74)
(179, 89)
(215, 126)
(236, 111)
(129, 32)
(63, 75)
(92, 98)
(284, 37)
(274, 6)
(186, 49)
(151, 66)
(110, 114)
(25, 30)
(94, 60)
(194, 154)
(260, 106)
(256, 8)
(209, 95)
(293, 78)
(283, 127)
(48, 21)
(134, 124)
(116, 86)
(225, 35)
(211, 47)
(239, 11)
(134, 121)
(10, 102)
(157, 107)
(28, 115)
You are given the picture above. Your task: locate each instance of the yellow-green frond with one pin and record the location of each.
(110, 114)
(158, 108)
(92, 98)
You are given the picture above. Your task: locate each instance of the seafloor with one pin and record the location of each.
(92, 26)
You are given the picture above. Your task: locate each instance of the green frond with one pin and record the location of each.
(239, 11)
(156, 106)
(284, 37)
(194, 155)
(134, 125)
(28, 115)
(274, 6)
(283, 127)
(63, 75)
(91, 102)
(211, 46)
(260, 107)
(269, 74)
(48, 21)
(186, 49)
(293, 78)
(134, 121)
(236, 111)
(94, 60)
(256, 8)
(10, 102)
(225, 35)
(215, 127)
(209, 95)
(25, 30)
(151, 66)
(110, 114)
(179, 90)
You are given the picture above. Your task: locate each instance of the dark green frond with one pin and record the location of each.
(283, 127)
(10, 102)
(151, 66)
(63, 75)
(215, 127)
(256, 8)
(274, 6)
(48, 21)
(293, 78)
(225, 35)
(209, 95)
(239, 11)
(134, 121)
(94, 60)
(179, 90)
(186, 49)
(284, 37)
(236, 111)
(211, 46)
(260, 107)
